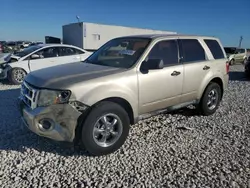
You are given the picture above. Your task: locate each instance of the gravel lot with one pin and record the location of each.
(169, 150)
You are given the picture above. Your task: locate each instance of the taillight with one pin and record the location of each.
(227, 67)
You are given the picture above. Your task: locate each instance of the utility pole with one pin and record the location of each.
(241, 38)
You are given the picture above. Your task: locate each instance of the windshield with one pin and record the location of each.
(230, 50)
(121, 52)
(27, 51)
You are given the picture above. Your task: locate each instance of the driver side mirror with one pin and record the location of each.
(151, 64)
(35, 56)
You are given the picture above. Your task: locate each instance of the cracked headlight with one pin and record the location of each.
(50, 97)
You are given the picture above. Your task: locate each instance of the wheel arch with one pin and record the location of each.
(217, 80)
(9, 76)
(118, 100)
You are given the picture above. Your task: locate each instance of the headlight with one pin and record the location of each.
(49, 97)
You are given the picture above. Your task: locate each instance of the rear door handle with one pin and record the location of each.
(206, 67)
(175, 73)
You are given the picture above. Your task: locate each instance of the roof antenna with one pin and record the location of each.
(78, 20)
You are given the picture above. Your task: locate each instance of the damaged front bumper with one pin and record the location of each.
(4, 72)
(57, 122)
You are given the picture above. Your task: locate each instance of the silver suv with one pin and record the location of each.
(95, 101)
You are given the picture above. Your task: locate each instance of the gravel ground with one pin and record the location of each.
(169, 150)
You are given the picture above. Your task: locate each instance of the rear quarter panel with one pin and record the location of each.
(218, 68)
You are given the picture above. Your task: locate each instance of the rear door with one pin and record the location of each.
(196, 67)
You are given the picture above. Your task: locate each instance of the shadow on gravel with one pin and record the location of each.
(16, 137)
(237, 76)
(186, 112)
(5, 82)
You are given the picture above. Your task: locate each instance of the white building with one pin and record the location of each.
(91, 36)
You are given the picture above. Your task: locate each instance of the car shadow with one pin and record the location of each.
(238, 76)
(186, 111)
(16, 137)
(5, 82)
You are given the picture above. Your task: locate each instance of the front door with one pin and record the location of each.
(46, 57)
(161, 88)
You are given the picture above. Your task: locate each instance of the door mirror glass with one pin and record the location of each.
(35, 56)
(152, 64)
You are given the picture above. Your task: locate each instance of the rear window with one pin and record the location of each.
(192, 50)
(215, 48)
(229, 50)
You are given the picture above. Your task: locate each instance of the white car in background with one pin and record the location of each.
(37, 57)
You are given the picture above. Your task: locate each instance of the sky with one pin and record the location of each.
(33, 20)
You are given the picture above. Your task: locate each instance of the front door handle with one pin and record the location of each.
(206, 67)
(175, 73)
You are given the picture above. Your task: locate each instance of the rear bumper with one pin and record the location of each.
(226, 81)
(63, 118)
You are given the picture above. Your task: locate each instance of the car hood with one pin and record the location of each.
(66, 75)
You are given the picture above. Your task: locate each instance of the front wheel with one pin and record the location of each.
(105, 129)
(210, 100)
(16, 76)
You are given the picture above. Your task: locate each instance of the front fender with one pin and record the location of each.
(20, 64)
(100, 93)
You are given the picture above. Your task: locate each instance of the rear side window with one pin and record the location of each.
(215, 48)
(66, 51)
(192, 50)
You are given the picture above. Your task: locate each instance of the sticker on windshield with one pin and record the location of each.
(127, 52)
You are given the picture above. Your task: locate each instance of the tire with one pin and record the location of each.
(203, 107)
(16, 76)
(92, 140)
(232, 62)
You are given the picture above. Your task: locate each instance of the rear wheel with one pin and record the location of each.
(210, 100)
(16, 76)
(105, 129)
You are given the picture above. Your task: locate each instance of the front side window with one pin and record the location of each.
(120, 52)
(215, 48)
(166, 51)
(48, 52)
(192, 51)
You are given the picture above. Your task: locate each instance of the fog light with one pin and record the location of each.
(46, 124)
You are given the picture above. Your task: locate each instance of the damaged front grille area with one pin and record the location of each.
(29, 95)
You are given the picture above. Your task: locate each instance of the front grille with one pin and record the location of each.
(29, 95)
